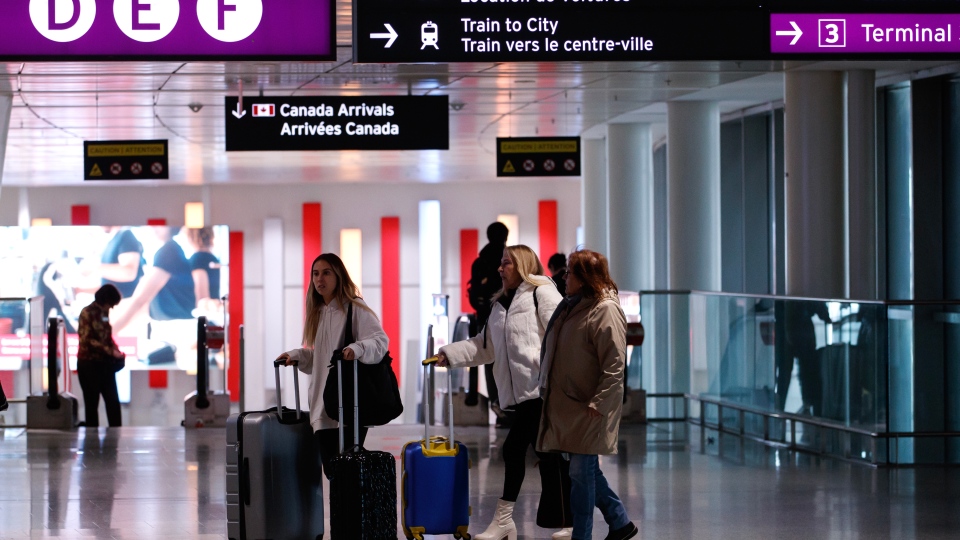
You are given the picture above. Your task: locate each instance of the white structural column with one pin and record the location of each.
(273, 274)
(6, 104)
(630, 186)
(814, 171)
(693, 192)
(593, 198)
(861, 131)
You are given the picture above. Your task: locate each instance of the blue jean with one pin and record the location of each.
(589, 489)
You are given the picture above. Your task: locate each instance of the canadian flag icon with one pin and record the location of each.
(263, 109)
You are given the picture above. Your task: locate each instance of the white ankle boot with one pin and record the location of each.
(563, 534)
(502, 527)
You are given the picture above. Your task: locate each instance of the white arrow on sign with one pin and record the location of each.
(796, 33)
(239, 113)
(390, 36)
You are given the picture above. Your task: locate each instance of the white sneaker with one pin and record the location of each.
(563, 534)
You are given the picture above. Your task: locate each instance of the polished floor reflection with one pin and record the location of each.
(142, 483)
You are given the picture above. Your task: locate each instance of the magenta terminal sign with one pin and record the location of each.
(861, 33)
(167, 29)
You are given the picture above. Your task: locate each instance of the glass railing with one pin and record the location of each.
(872, 381)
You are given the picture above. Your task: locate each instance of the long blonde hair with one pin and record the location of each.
(527, 264)
(346, 291)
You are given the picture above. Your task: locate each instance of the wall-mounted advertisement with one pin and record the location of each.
(168, 277)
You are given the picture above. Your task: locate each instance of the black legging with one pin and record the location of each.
(98, 378)
(554, 508)
(329, 442)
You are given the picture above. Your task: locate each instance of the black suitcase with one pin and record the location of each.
(274, 488)
(363, 485)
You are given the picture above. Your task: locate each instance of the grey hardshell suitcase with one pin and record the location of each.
(274, 488)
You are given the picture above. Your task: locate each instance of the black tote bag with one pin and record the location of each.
(377, 387)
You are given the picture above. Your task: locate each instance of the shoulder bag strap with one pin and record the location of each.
(348, 333)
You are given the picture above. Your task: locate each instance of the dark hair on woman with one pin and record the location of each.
(108, 295)
(593, 272)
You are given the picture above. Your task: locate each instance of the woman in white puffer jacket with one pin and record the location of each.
(511, 341)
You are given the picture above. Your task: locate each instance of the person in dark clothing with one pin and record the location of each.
(557, 265)
(121, 263)
(167, 286)
(205, 268)
(485, 282)
(800, 343)
(97, 349)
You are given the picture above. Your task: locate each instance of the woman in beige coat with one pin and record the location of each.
(582, 387)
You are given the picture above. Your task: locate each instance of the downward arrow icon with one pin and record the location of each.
(796, 32)
(239, 113)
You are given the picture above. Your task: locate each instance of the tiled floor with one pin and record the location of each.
(143, 483)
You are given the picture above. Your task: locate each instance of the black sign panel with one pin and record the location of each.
(125, 160)
(338, 123)
(610, 30)
(538, 156)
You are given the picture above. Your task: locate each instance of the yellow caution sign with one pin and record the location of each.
(538, 156)
(125, 160)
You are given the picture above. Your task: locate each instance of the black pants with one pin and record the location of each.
(329, 442)
(96, 379)
(554, 509)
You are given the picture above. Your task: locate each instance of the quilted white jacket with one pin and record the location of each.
(513, 340)
(370, 346)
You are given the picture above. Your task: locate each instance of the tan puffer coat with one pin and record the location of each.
(583, 367)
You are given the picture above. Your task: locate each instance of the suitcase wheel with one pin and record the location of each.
(465, 536)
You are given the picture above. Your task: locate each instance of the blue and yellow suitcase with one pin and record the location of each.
(436, 480)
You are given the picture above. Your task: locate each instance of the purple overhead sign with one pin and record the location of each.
(900, 33)
(167, 29)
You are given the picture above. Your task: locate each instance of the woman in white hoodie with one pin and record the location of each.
(511, 341)
(324, 329)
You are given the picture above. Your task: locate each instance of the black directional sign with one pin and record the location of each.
(125, 160)
(338, 123)
(647, 30)
(538, 156)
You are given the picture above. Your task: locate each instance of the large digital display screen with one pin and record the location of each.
(168, 277)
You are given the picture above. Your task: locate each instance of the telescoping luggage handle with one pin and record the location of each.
(338, 357)
(432, 361)
(296, 385)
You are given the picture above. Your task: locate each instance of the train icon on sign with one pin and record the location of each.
(428, 35)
